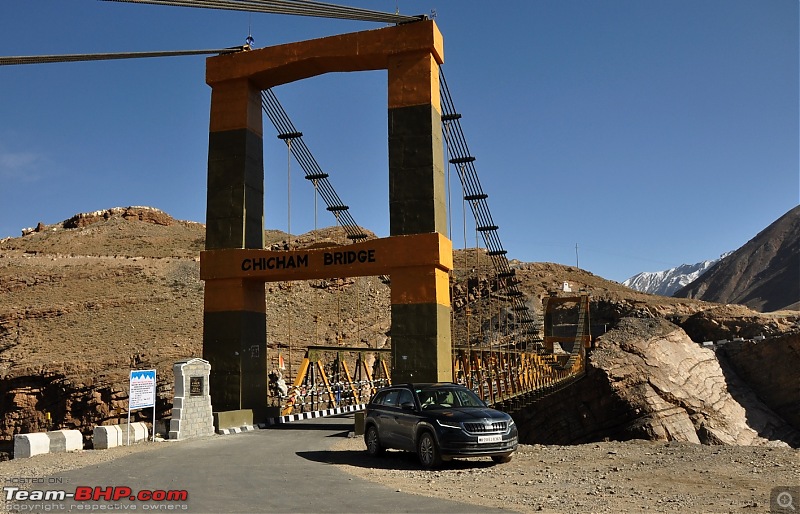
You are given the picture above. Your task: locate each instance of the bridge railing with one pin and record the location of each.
(501, 375)
(331, 377)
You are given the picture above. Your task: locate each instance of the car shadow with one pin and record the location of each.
(342, 429)
(391, 460)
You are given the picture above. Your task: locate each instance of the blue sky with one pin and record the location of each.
(650, 134)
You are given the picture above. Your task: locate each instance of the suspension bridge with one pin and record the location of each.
(510, 357)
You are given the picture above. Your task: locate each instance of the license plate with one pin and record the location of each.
(489, 439)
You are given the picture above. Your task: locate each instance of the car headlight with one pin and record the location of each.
(448, 425)
(511, 422)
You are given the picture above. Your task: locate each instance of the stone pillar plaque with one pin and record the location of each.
(196, 386)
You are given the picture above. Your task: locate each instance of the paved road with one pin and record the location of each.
(288, 469)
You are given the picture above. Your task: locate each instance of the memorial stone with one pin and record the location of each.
(191, 407)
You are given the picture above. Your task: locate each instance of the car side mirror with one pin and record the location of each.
(407, 406)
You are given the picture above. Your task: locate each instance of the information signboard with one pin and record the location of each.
(142, 389)
(142, 395)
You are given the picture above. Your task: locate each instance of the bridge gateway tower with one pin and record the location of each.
(417, 256)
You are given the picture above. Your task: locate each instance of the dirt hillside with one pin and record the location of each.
(84, 301)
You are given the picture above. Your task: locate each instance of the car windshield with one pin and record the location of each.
(444, 398)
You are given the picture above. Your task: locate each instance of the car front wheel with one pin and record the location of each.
(373, 442)
(428, 452)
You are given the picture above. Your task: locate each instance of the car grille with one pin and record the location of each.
(484, 428)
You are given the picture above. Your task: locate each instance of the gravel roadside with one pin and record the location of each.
(613, 477)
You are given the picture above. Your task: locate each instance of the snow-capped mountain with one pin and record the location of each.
(666, 282)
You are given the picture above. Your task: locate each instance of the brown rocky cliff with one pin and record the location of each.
(49, 401)
(770, 367)
(146, 214)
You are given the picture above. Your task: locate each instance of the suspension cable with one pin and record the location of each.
(452, 273)
(473, 193)
(289, 190)
(42, 59)
(290, 7)
(313, 171)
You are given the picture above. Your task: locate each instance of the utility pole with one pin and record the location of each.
(576, 256)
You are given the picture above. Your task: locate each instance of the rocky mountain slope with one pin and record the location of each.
(764, 274)
(666, 282)
(83, 302)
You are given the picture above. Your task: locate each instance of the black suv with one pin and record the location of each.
(438, 422)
